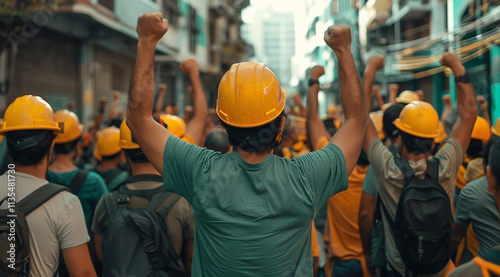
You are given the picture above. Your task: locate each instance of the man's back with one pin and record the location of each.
(248, 215)
(58, 224)
(390, 181)
(179, 219)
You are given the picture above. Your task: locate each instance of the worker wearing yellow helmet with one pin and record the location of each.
(144, 183)
(417, 126)
(407, 97)
(30, 129)
(249, 194)
(87, 185)
(108, 149)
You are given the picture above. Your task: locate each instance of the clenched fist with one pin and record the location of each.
(151, 27)
(338, 36)
(376, 61)
(189, 66)
(316, 72)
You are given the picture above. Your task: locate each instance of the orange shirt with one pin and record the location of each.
(342, 219)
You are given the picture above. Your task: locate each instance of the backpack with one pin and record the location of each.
(14, 229)
(136, 242)
(423, 224)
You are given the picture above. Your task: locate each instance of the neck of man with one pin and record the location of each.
(105, 165)
(142, 168)
(253, 157)
(38, 170)
(63, 162)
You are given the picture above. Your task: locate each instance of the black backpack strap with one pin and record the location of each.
(39, 196)
(164, 206)
(77, 182)
(433, 169)
(148, 243)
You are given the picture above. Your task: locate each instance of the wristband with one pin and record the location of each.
(313, 81)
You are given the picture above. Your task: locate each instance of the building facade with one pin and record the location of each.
(85, 49)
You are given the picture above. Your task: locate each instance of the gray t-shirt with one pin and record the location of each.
(57, 224)
(476, 205)
(390, 181)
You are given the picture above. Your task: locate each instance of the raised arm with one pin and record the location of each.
(196, 125)
(298, 100)
(150, 135)
(483, 105)
(162, 89)
(446, 108)
(368, 80)
(113, 111)
(393, 93)
(315, 127)
(466, 101)
(374, 63)
(376, 93)
(350, 136)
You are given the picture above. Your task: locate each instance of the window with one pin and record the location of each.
(193, 29)
(171, 11)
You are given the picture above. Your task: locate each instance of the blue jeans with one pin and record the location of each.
(347, 268)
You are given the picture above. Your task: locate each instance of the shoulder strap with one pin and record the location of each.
(38, 197)
(148, 243)
(164, 207)
(433, 169)
(112, 175)
(110, 202)
(78, 180)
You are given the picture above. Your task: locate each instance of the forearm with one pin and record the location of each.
(200, 109)
(380, 101)
(141, 95)
(315, 127)
(368, 78)
(159, 102)
(350, 90)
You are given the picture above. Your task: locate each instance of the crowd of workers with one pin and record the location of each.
(254, 187)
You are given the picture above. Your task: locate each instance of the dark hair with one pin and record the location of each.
(111, 157)
(391, 114)
(494, 161)
(136, 155)
(257, 139)
(29, 147)
(217, 140)
(66, 148)
(417, 145)
(475, 148)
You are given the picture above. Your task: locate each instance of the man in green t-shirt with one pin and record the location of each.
(253, 209)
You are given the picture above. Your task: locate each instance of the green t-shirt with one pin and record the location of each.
(90, 193)
(253, 219)
(115, 181)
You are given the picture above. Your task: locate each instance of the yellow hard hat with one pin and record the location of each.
(441, 136)
(481, 130)
(376, 118)
(29, 112)
(385, 106)
(108, 142)
(176, 125)
(126, 140)
(72, 127)
(332, 109)
(496, 129)
(419, 119)
(407, 97)
(249, 96)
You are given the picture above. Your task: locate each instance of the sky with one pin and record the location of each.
(277, 5)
